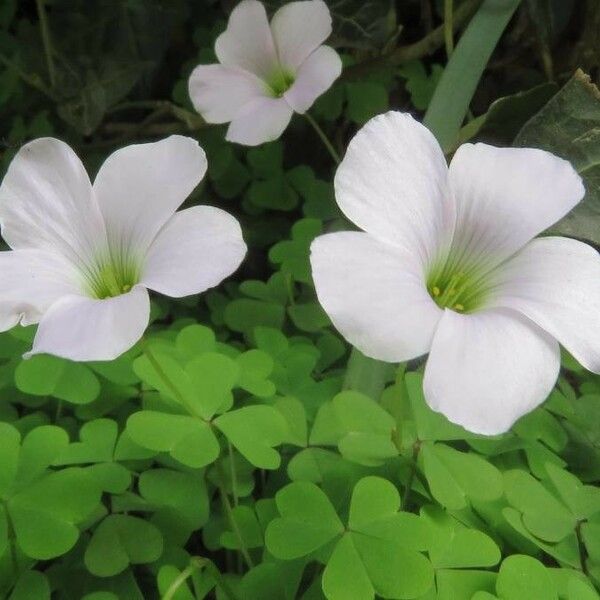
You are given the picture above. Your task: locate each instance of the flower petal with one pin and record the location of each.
(555, 282)
(30, 282)
(392, 184)
(194, 251)
(263, 120)
(487, 369)
(46, 202)
(221, 93)
(298, 29)
(81, 328)
(506, 196)
(374, 294)
(139, 187)
(248, 42)
(315, 76)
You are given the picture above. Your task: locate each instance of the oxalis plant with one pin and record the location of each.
(300, 300)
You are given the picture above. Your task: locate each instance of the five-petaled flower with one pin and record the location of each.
(266, 71)
(446, 264)
(82, 256)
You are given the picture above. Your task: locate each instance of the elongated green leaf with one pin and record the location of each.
(453, 94)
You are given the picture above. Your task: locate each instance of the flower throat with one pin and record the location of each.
(111, 278)
(457, 287)
(280, 82)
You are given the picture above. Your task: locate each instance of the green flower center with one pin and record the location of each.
(110, 278)
(459, 287)
(280, 82)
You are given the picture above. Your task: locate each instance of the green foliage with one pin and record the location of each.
(121, 540)
(568, 126)
(230, 455)
(419, 83)
(51, 376)
(451, 99)
(377, 552)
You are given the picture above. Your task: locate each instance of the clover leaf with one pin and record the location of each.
(254, 431)
(31, 584)
(45, 529)
(96, 445)
(121, 540)
(181, 499)
(543, 514)
(457, 478)
(189, 440)
(49, 528)
(522, 578)
(454, 546)
(255, 366)
(376, 553)
(365, 428)
(202, 386)
(45, 375)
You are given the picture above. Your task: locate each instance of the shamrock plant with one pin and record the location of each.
(299, 300)
(376, 552)
(197, 383)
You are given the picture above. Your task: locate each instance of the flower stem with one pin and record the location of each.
(332, 151)
(47, 41)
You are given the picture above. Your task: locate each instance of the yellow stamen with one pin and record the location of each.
(435, 291)
(459, 307)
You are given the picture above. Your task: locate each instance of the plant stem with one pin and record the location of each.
(232, 522)
(58, 413)
(197, 564)
(233, 474)
(424, 47)
(140, 104)
(179, 581)
(581, 547)
(46, 40)
(448, 27)
(411, 475)
(332, 151)
(166, 379)
(289, 285)
(220, 580)
(12, 536)
(32, 80)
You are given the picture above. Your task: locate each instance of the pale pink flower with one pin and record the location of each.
(84, 255)
(447, 264)
(267, 71)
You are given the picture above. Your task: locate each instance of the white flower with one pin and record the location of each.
(447, 265)
(266, 71)
(82, 256)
